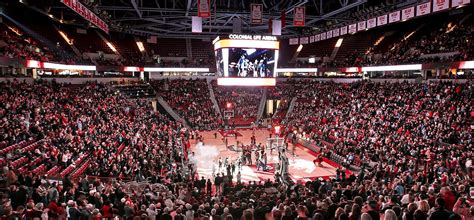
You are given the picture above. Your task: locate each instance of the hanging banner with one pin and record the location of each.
(74, 5)
(152, 39)
(335, 32)
(293, 41)
(311, 39)
(423, 9)
(382, 20)
(323, 36)
(303, 40)
(455, 3)
(236, 25)
(361, 26)
(328, 34)
(352, 28)
(283, 19)
(204, 8)
(371, 23)
(439, 5)
(196, 24)
(256, 13)
(317, 37)
(394, 17)
(86, 13)
(299, 16)
(408, 13)
(343, 30)
(276, 27)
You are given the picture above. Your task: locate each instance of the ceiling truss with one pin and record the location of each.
(172, 18)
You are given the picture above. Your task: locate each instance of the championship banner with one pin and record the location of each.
(343, 30)
(293, 41)
(423, 9)
(323, 36)
(361, 26)
(408, 13)
(394, 17)
(317, 37)
(439, 5)
(80, 9)
(352, 28)
(94, 20)
(86, 13)
(371, 23)
(204, 8)
(335, 32)
(256, 13)
(382, 20)
(328, 34)
(303, 40)
(311, 39)
(455, 3)
(299, 16)
(74, 4)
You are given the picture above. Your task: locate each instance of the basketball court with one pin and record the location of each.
(301, 167)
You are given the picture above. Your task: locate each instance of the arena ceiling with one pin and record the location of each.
(172, 18)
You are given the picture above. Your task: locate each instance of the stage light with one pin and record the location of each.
(299, 48)
(140, 46)
(65, 37)
(338, 43)
(111, 47)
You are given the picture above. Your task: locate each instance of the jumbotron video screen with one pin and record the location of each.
(246, 60)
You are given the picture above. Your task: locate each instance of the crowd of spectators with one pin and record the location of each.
(393, 127)
(448, 38)
(191, 100)
(244, 102)
(377, 122)
(451, 41)
(435, 43)
(283, 92)
(90, 122)
(14, 44)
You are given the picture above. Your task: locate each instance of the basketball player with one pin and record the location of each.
(220, 163)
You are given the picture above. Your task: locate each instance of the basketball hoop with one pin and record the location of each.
(228, 114)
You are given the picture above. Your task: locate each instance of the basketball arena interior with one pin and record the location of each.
(236, 109)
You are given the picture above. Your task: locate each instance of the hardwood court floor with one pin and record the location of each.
(301, 167)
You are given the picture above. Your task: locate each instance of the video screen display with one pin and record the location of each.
(251, 62)
(246, 60)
